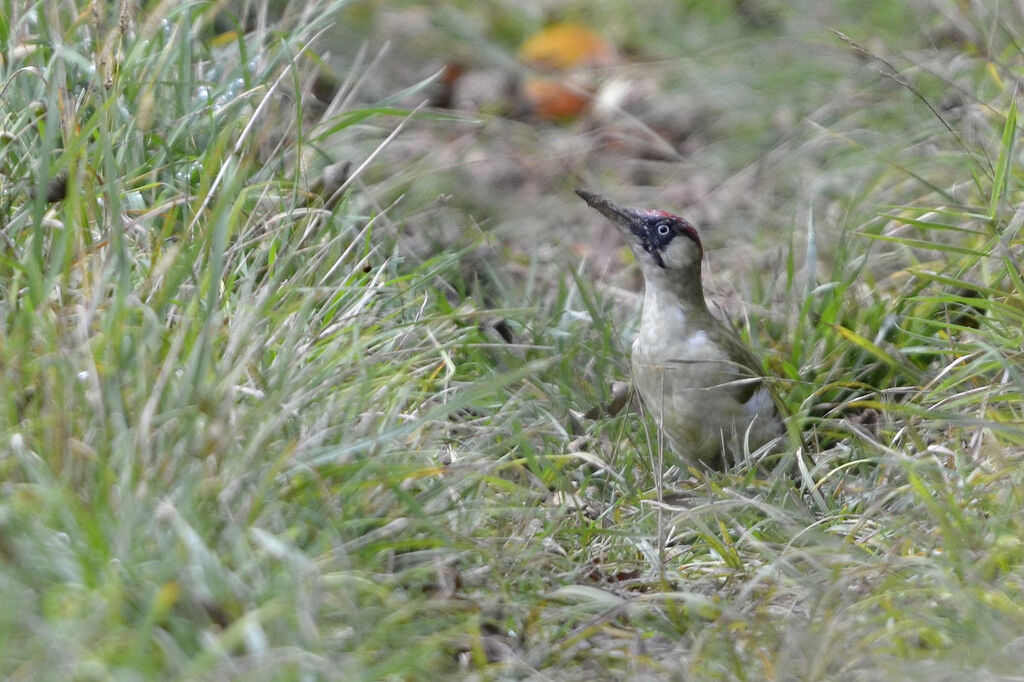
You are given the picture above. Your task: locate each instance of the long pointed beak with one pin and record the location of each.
(621, 217)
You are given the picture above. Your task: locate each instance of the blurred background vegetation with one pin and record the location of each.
(306, 343)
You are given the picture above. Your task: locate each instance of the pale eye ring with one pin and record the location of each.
(663, 229)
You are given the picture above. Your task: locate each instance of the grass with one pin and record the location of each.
(249, 430)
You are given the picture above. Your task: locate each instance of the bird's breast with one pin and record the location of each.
(668, 338)
(688, 381)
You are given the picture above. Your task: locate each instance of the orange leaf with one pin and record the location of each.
(564, 45)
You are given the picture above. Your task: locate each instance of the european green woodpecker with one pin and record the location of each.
(702, 385)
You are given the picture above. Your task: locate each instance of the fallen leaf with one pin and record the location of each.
(566, 45)
(553, 100)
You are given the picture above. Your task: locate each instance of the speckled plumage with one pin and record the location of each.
(700, 383)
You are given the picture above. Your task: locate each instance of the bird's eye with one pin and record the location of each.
(664, 229)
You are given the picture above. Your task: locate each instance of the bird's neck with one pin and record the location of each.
(680, 298)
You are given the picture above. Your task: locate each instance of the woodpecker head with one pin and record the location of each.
(666, 246)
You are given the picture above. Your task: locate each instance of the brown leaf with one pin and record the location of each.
(550, 99)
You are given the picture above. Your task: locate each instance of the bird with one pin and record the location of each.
(702, 384)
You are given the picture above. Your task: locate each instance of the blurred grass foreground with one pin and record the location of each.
(303, 340)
